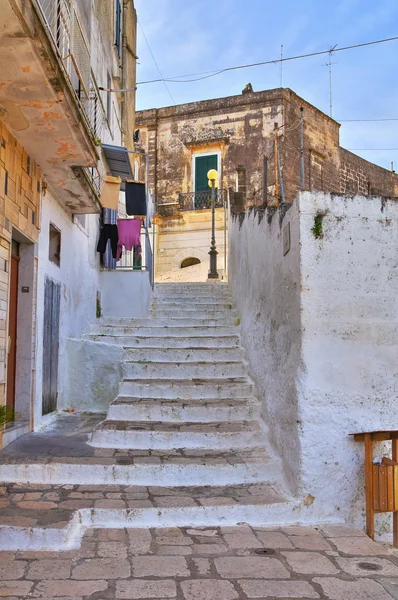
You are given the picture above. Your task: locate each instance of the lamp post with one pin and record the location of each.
(212, 176)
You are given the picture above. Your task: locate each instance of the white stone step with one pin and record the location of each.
(183, 355)
(194, 298)
(63, 529)
(192, 303)
(194, 285)
(156, 331)
(207, 290)
(186, 390)
(174, 472)
(197, 312)
(189, 342)
(167, 322)
(195, 411)
(184, 370)
(169, 436)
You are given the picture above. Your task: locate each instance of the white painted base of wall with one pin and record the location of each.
(93, 374)
(125, 293)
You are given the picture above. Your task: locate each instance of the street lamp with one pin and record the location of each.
(212, 176)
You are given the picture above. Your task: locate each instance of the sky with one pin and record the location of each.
(188, 36)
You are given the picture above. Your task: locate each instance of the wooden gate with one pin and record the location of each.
(52, 298)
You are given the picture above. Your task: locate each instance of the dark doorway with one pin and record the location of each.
(52, 299)
(12, 325)
(189, 262)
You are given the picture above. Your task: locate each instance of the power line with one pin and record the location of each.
(208, 74)
(157, 66)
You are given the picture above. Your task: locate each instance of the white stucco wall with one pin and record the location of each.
(93, 374)
(320, 328)
(125, 293)
(78, 275)
(266, 286)
(349, 317)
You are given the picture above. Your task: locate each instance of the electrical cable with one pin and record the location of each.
(208, 74)
(157, 66)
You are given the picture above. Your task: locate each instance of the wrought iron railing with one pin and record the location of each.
(73, 51)
(201, 200)
(138, 259)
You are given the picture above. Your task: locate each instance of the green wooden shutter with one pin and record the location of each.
(203, 164)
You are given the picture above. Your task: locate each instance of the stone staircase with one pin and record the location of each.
(186, 385)
(182, 444)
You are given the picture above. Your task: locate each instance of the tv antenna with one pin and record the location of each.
(329, 65)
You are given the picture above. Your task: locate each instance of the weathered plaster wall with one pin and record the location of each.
(78, 275)
(320, 329)
(125, 293)
(240, 127)
(349, 312)
(265, 285)
(187, 235)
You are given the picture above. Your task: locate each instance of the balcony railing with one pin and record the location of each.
(201, 200)
(73, 51)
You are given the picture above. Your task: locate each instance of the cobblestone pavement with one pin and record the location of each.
(227, 563)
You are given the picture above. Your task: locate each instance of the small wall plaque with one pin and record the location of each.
(286, 239)
(25, 289)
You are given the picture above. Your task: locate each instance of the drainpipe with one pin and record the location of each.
(124, 71)
(302, 147)
(156, 155)
(276, 156)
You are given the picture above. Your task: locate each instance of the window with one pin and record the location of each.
(28, 165)
(189, 262)
(6, 183)
(118, 23)
(54, 254)
(203, 164)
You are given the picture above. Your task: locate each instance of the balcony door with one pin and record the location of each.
(203, 164)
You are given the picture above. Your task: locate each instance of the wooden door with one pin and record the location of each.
(52, 298)
(12, 326)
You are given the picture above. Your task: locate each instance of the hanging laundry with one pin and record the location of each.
(135, 198)
(110, 192)
(108, 232)
(109, 217)
(129, 236)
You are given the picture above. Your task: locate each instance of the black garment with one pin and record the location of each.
(135, 199)
(108, 232)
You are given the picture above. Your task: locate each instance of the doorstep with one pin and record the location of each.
(14, 430)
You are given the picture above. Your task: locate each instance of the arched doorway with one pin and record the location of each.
(189, 262)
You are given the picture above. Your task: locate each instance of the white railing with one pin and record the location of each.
(73, 51)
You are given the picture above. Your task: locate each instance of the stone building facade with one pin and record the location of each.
(268, 146)
(54, 58)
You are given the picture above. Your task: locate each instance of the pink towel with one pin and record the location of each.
(129, 236)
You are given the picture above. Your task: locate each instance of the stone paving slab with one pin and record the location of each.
(204, 564)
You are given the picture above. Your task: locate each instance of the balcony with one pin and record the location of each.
(49, 97)
(201, 200)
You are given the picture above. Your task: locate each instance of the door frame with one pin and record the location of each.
(196, 155)
(26, 336)
(12, 344)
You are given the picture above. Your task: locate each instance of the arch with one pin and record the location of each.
(182, 255)
(190, 262)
